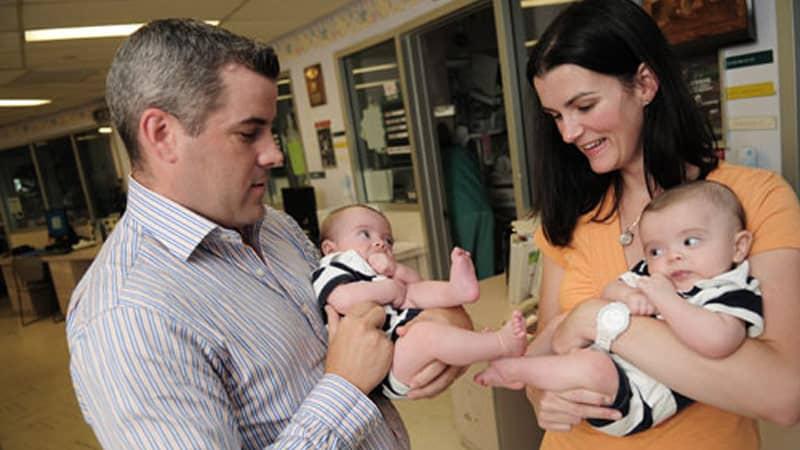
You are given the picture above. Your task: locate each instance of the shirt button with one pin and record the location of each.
(260, 272)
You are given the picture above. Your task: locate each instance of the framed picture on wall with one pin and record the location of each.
(700, 26)
(315, 85)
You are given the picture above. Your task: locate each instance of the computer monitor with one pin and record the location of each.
(57, 223)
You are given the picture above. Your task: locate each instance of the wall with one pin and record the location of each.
(318, 44)
(767, 142)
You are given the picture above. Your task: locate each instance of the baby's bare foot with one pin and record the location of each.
(495, 375)
(463, 281)
(513, 336)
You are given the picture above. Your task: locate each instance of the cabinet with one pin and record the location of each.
(493, 418)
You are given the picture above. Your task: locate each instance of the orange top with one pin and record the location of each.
(594, 258)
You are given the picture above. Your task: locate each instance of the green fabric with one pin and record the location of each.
(470, 213)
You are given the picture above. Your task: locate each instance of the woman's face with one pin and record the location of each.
(596, 113)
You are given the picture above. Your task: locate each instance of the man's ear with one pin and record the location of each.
(742, 242)
(158, 133)
(327, 247)
(646, 84)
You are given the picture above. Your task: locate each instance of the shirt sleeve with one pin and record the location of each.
(771, 206)
(145, 382)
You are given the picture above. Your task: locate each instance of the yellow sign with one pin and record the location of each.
(751, 90)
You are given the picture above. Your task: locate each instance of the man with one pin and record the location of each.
(196, 325)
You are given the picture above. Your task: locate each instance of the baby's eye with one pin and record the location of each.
(655, 252)
(364, 233)
(691, 241)
(389, 242)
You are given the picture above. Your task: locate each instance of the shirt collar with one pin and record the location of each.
(176, 227)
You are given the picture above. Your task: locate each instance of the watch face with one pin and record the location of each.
(615, 317)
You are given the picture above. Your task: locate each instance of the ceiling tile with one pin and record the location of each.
(8, 18)
(7, 76)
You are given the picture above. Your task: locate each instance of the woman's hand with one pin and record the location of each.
(560, 411)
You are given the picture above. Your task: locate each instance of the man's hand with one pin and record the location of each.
(383, 264)
(358, 350)
(436, 376)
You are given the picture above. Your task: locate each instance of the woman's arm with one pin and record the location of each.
(559, 411)
(761, 379)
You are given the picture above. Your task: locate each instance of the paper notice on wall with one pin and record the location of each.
(15, 206)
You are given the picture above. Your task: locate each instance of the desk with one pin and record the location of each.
(67, 269)
(492, 418)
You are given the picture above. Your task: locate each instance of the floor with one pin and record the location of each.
(38, 410)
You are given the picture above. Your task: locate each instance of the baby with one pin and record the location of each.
(694, 276)
(359, 266)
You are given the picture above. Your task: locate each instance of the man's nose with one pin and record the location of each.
(269, 154)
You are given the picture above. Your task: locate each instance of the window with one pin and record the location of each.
(19, 185)
(104, 186)
(62, 182)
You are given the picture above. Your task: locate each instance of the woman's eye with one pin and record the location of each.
(585, 108)
(691, 241)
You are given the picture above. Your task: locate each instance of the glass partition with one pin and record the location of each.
(59, 174)
(104, 186)
(381, 144)
(23, 203)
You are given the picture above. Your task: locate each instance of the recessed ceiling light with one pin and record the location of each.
(100, 31)
(21, 102)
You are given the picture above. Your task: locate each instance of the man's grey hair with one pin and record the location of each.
(175, 65)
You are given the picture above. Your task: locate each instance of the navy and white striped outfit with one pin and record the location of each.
(643, 401)
(336, 269)
(182, 337)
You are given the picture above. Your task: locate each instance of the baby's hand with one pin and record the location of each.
(639, 304)
(399, 289)
(656, 284)
(383, 264)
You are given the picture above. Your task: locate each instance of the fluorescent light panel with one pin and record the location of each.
(22, 102)
(537, 3)
(104, 130)
(100, 31)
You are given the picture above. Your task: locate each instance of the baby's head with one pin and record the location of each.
(694, 231)
(356, 227)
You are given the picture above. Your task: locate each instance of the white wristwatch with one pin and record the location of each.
(612, 320)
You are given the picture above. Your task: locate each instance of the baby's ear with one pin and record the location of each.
(742, 242)
(327, 246)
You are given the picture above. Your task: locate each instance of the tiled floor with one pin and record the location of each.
(38, 410)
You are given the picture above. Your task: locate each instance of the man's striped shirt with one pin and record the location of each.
(181, 336)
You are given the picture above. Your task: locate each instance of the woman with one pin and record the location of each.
(618, 126)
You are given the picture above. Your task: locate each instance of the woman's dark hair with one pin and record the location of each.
(612, 37)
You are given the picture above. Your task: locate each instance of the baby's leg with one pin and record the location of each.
(554, 372)
(461, 288)
(428, 341)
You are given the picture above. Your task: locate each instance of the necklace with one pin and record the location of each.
(626, 237)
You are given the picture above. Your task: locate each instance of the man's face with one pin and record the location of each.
(222, 172)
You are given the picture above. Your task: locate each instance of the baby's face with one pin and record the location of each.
(689, 241)
(364, 231)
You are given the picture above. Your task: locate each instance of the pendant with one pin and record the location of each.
(626, 238)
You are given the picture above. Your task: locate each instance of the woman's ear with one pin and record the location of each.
(646, 84)
(327, 247)
(742, 242)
